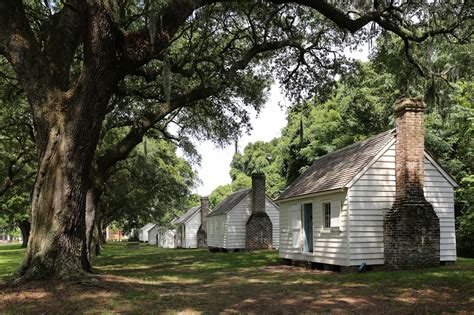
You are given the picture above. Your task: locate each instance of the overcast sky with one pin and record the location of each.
(215, 163)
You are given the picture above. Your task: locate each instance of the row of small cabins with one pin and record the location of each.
(381, 201)
(230, 226)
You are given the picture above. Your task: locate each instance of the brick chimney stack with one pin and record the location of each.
(258, 192)
(259, 227)
(202, 231)
(411, 227)
(410, 148)
(204, 212)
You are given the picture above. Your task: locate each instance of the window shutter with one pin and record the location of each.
(335, 213)
(296, 226)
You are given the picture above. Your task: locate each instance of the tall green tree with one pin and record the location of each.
(17, 155)
(152, 185)
(260, 157)
(444, 76)
(359, 106)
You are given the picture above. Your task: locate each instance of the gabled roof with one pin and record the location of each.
(188, 215)
(147, 227)
(336, 169)
(230, 202)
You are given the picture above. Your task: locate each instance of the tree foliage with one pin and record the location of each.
(148, 187)
(17, 153)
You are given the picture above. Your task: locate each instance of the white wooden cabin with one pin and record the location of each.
(7, 238)
(226, 224)
(187, 227)
(162, 236)
(143, 232)
(334, 212)
(166, 238)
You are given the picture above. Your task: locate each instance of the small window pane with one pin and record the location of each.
(327, 215)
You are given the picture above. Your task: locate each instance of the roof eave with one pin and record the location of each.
(192, 216)
(226, 213)
(314, 194)
(371, 162)
(443, 172)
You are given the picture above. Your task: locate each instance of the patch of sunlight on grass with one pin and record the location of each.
(124, 267)
(10, 258)
(173, 281)
(178, 279)
(187, 311)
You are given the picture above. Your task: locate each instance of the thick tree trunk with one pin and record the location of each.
(96, 237)
(67, 118)
(57, 245)
(25, 227)
(102, 232)
(94, 194)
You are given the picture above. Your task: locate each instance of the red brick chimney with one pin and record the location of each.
(202, 231)
(411, 227)
(259, 227)
(410, 148)
(204, 212)
(258, 192)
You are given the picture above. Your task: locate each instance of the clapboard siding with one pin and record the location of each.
(374, 191)
(216, 226)
(152, 235)
(192, 227)
(164, 238)
(273, 213)
(329, 246)
(229, 230)
(236, 220)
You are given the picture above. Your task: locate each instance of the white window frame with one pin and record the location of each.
(325, 227)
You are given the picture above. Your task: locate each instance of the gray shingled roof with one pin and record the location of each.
(336, 169)
(147, 227)
(185, 217)
(230, 202)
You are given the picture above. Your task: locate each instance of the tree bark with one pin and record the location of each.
(94, 228)
(97, 236)
(68, 124)
(57, 247)
(25, 228)
(94, 194)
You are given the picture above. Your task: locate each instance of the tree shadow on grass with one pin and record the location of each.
(260, 292)
(157, 281)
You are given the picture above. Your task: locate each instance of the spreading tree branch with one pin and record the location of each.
(19, 46)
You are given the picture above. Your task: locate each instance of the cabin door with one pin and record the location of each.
(308, 226)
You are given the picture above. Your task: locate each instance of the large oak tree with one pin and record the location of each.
(72, 58)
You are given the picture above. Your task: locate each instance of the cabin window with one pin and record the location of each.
(327, 215)
(307, 216)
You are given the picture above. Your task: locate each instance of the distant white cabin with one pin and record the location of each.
(187, 227)
(334, 212)
(7, 238)
(226, 224)
(143, 232)
(162, 236)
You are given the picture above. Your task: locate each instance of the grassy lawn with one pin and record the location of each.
(152, 280)
(10, 257)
